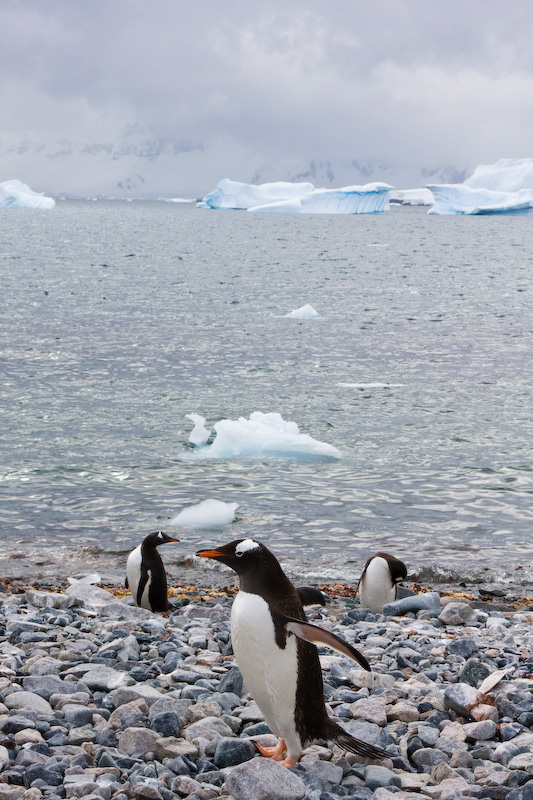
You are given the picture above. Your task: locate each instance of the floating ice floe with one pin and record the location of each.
(505, 187)
(263, 435)
(285, 197)
(199, 434)
(15, 194)
(305, 312)
(369, 385)
(207, 514)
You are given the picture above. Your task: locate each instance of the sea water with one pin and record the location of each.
(120, 319)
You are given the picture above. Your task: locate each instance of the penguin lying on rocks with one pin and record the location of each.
(145, 574)
(379, 581)
(274, 648)
(310, 596)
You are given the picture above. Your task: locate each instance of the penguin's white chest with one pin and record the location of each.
(269, 672)
(376, 587)
(133, 571)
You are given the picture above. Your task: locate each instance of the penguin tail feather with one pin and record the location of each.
(348, 742)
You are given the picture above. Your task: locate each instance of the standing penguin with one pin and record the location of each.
(378, 583)
(145, 574)
(273, 646)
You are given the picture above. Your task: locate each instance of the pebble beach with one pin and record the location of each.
(102, 700)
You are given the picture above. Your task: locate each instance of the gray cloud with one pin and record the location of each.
(416, 82)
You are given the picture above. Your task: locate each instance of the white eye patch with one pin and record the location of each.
(245, 546)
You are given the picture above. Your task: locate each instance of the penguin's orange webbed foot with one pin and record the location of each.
(276, 752)
(289, 762)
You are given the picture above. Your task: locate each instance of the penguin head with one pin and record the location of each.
(157, 538)
(258, 569)
(243, 555)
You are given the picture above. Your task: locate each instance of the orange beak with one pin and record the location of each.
(210, 553)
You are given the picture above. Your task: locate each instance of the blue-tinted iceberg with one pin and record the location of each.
(15, 194)
(505, 187)
(372, 198)
(263, 435)
(232, 194)
(297, 198)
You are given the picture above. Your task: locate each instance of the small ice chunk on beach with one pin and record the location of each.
(199, 434)
(264, 435)
(207, 514)
(305, 312)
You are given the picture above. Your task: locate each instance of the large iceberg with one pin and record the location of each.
(15, 194)
(456, 198)
(505, 187)
(263, 435)
(506, 175)
(232, 194)
(372, 198)
(296, 198)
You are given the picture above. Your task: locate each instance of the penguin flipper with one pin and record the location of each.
(310, 596)
(143, 580)
(316, 635)
(126, 583)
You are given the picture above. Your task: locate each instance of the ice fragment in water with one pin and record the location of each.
(305, 312)
(199, 434)
(207, 514)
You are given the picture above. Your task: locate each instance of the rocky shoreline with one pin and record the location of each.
(102, 700)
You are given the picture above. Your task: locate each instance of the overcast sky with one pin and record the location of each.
(403, 80)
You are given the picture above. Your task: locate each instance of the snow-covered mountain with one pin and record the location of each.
(150, 167)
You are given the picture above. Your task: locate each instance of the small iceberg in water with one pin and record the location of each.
(263, 435)
(207, 514)
(305, 312)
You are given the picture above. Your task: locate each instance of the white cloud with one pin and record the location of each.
(401, 80)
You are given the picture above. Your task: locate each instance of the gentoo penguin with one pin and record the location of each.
(310, 596)
(377, 585)
(146, 578)
(273, 646)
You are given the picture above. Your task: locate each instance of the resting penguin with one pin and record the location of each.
(378, 583)
(273, 646)
(309, 596)
(146, 578)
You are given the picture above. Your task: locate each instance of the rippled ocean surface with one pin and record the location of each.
(118, 319)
